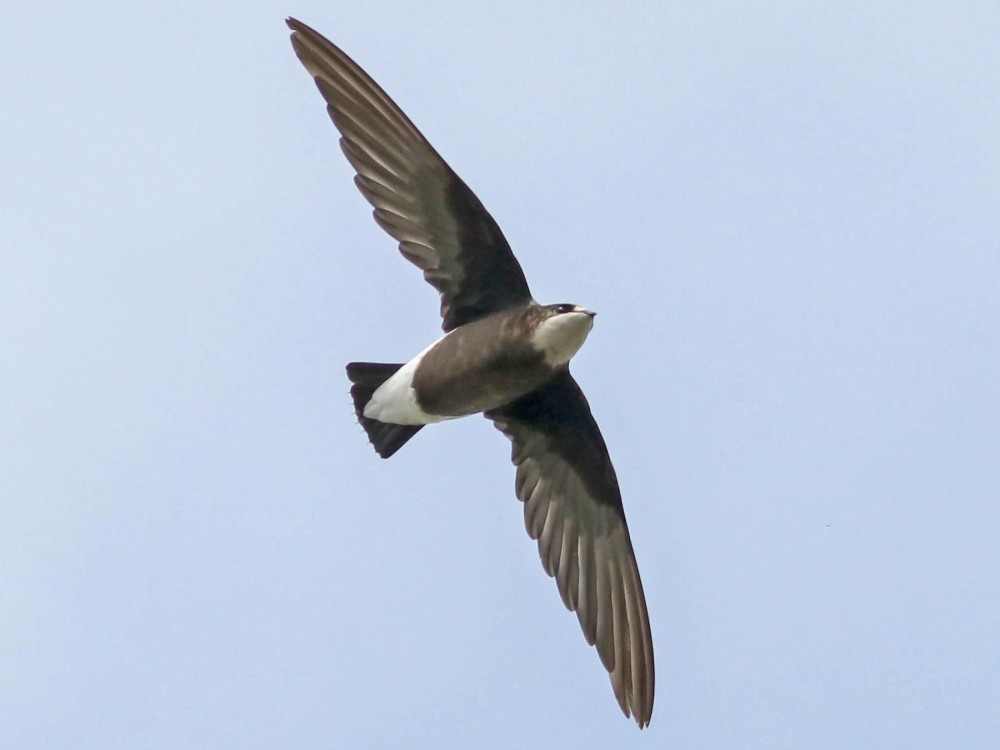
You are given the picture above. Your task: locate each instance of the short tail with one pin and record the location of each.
(367, 377)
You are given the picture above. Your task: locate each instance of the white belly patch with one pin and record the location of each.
(395, 401)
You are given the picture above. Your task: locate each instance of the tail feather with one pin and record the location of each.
(367, 377)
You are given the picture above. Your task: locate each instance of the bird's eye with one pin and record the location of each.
(564, 309)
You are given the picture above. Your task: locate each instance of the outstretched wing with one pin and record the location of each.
(573, 507)
(440, 224)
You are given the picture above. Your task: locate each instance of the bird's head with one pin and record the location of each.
(560, 331)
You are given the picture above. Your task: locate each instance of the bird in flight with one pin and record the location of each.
(503, 355)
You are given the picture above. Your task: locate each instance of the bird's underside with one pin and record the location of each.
(503, 355)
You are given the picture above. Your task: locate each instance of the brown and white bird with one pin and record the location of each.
(503, 355)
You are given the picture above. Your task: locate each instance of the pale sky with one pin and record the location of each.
(786, 216)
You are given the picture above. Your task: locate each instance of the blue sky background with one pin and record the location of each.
(788, 217)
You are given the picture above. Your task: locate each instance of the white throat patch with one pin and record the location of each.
(561, 336)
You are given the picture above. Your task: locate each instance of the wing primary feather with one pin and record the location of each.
(389, 159)
(568, 570)
(605, 611)
(535, 509)
(526, 481)
(622, 677)
(365, 164)
(320, 57)
(420, 255)
(638, 651)
(364, 128)
(550, 541)
(400, 186)
(587, 611)
(381, 195)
